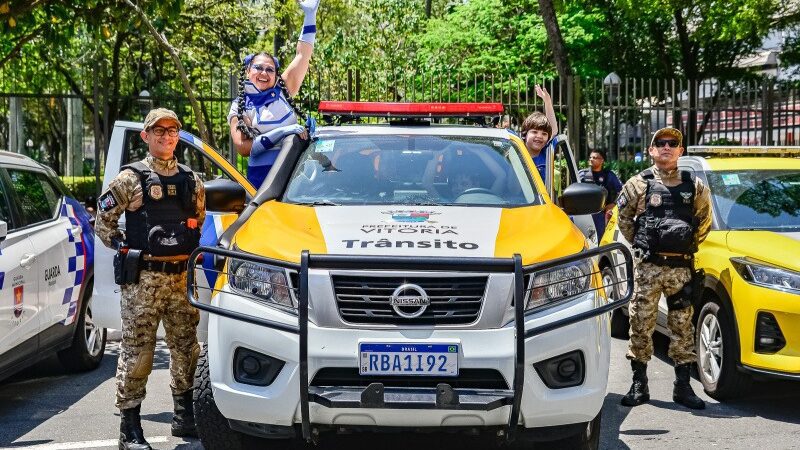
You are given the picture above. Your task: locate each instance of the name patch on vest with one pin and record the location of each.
(172, 190)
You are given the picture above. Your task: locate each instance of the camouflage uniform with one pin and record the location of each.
(651, 280)
(157, 297)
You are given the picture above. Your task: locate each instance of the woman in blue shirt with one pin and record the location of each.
(264, 114)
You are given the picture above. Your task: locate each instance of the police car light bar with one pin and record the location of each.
(399, 109)
(755, 150)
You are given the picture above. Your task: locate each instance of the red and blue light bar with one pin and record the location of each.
(406, 109)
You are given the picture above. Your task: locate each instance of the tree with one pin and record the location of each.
(554, 38)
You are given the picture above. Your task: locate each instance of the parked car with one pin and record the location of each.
(748, 320)
(46, 271)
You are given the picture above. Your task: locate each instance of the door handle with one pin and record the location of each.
(76, 230)
(27, 260)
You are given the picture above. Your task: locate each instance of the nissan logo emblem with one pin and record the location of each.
(409, 296)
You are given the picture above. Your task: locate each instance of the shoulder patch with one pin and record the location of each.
(622, 200)
(107, 201)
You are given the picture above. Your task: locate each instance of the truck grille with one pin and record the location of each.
(366, 300)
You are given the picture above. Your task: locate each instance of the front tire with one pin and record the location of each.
(588, 439)
(89, 343)
(212, 426)
(717, 353)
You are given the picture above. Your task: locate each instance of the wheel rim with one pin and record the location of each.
(608, 283)
(92, 334)
(710, 348)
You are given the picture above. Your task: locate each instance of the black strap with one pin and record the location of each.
(648, 174)
(139, 167)
(163, 266)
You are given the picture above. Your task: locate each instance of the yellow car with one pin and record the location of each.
(748, 320)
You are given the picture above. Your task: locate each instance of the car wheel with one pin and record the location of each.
(89, 343)
(717, 353)
(619, 321)
(212, 426)
(588, 439)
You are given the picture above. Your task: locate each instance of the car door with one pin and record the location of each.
(562, 172)
(126, 146)
(19, 282)
(58, 246)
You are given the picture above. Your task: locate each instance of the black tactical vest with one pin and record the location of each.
(159, 227)
(668, 222)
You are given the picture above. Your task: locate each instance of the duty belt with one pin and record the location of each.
(671, 260)
(163, 266)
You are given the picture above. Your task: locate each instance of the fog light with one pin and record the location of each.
(251, 367)
(562, 371)
(566, 368)
(769, 338)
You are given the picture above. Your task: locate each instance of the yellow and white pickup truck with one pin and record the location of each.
(406, 275)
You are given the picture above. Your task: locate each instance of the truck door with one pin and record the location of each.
(126, 146)
(562, 172)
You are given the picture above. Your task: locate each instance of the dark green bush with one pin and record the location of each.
(81, 187)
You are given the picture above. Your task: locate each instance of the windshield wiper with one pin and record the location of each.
(319, 203)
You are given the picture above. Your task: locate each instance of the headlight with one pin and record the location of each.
(264, 282)
(559, 283)
(764, 274)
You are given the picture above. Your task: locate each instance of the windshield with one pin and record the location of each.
(411, 170)
(756, 199)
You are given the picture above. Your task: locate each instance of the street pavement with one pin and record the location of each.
(44, 408)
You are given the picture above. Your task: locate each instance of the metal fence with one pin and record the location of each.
(69, 130)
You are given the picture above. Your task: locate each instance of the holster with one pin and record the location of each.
(126, 266)
(690, 294)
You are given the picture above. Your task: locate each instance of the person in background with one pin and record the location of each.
(606, 179)
(537, 130)
(264, 113)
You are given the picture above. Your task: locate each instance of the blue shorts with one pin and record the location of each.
(257, 174)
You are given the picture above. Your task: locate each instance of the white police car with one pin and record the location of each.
(46, 271)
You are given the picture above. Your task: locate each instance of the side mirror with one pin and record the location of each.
(224, 195)
(3, 230)
(582, 198)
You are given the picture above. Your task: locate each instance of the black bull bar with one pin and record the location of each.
(443, 396)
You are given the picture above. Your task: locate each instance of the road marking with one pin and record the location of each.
(83, 444)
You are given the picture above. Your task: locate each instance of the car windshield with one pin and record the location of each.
(756, 199)
(411, 170)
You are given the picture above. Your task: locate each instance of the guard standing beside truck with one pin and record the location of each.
(164, 207)
(666, 214)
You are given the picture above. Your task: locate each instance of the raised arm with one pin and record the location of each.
(298, 68)
(549, 112)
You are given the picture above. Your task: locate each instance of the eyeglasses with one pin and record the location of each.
(159, 131)
(263, 68)
(664, 142)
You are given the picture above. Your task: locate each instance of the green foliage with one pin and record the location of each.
(81, 187)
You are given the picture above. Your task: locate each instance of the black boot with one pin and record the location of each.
(683, 393)
(183, 419)
(639, 392)
(131, 436)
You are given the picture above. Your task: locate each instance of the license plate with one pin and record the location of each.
(408, 359)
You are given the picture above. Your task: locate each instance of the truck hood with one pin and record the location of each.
(282, 231)
(780, 249)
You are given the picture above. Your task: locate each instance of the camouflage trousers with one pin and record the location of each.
(652, 280)
(157, 297)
